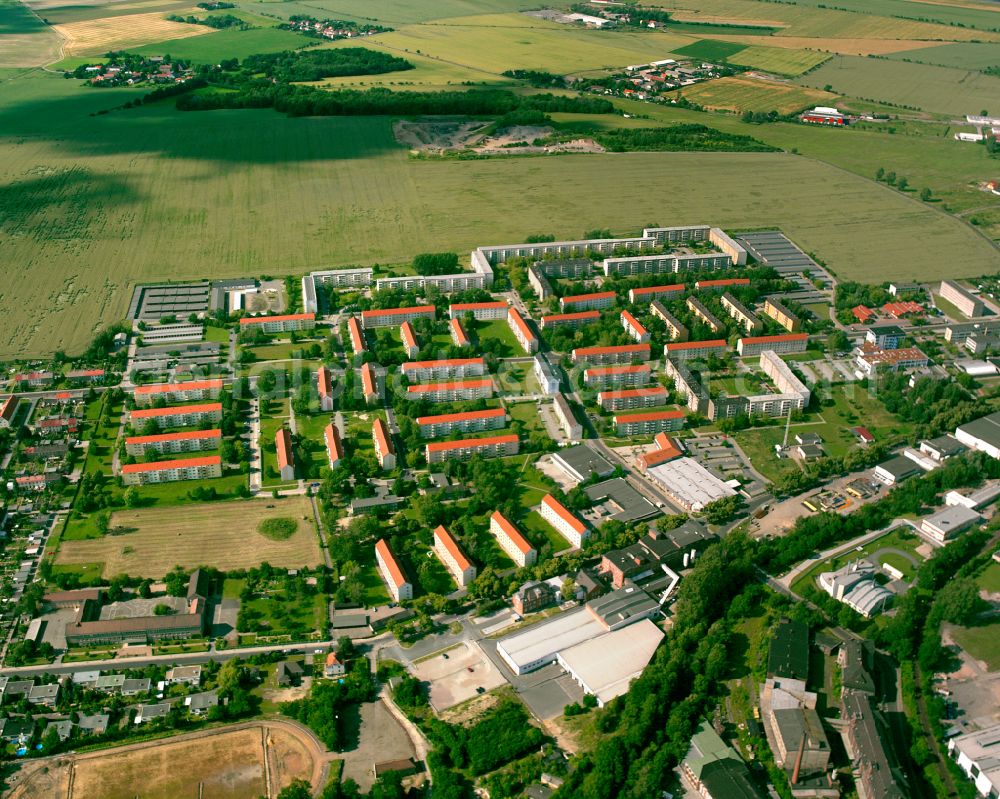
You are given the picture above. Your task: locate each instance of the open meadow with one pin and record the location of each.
(89, 205)
(224, 535)
(964, 55)
(931, 88)
(25, 41)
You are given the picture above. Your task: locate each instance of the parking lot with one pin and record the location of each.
(456, 675)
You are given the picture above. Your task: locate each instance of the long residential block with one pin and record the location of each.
(357, 335)
(675, 328)
(689, 350)
(369, 384)
(468, 422)
(451, 555)
(464, 449)
(626, 353)
(444, 369)
(399, 587)
(697, 307)
(384, 449)
(458, 335)
(324, 388)
(170, 443)
(600, 377)
(455, 391)
(964, 300)
(511, 541)
(278, 324)
(626, 399)
(522, 332)
(285, 454)
(721, 284)
(634, 328)
(564, 522)
(777, 310)
(567, 419)
(578, 319)
(408, 336)
(786, 343)
(178, 392)
(481, 311)
(134, 474)
(390, 317)
(588, 302)
(650, 293)
(649, 423)
(738, 311)
(178, 415)
(334, 446)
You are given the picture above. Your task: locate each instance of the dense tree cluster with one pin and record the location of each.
(502, 735)
(679, 138)
(323, 709)
(316, 64)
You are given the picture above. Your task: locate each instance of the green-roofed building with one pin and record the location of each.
(715, 769)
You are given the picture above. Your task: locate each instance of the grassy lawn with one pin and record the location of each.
(982, 643)
(232, 587)
(539, 531)
(989, 579)
(497, 329)
(281, 614)
(217, 334)
(527, 414)
(375, 592)
(517, 378)
(359, 430)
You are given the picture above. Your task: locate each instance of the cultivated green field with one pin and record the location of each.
(967, 55)
(25, 41)
(226, 44)
(932, 88)
(778, 59)
(967, 14)
(89, 205)
(798, 19)
(710, 50)
(390, 12)
(749, 94)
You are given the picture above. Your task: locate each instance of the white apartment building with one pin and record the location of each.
(564, 522)
(454, 560)
(511, 541)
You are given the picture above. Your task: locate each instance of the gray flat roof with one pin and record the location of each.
(548, 637)
(621, 605)
(633, 504)
(582, 460)
(986, 428)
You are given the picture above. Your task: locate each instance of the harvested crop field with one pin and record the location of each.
(755, 94)
(98, 36)
(847, 46)
(26, 41)
(224, 535)
(221, 764)
(931, 88)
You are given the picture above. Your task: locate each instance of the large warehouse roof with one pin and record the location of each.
(690, 483)
(542, 641)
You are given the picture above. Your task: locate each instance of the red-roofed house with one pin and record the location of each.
(334, 447)
(324, 386)
(665, 451)
(897, 310)
(864, 435)
(85, 375)
(481, 311)
(467, 422)
(463, 449)
(642, 424)
(134, 474)
(399, 587)
(453, 558)
(384, 450)
(634, 328)
(527, 339)
(862, 313)
(564, 522)
(286, 458)
(511, 541)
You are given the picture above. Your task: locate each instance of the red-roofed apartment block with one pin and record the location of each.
(628, 398)
(642, 424)
(651, 293)
(467, 422)
(588, 302)
(178, 415)
(606, 376)
(446, 369)
(462, 450)
(564, 522)
(178, 392)
(278, 324)
(571, 319)
(85, 375)
(527, 339)
(324, 387)
(453, 558)
(334, 447)
(134, 474)
(384, 450)
(511, 541)
(286, 458)
(458, 335)
(168, 443)
(634, 328)
(399, 587)
(456, 391)
(787, 342)
(627, 353)
(396, 316)
(357, 336)
(7, 411)
(721, 284)
(409, 338)
(369, 384)
(481, 311)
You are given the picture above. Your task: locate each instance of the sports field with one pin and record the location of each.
(752, 94)
(932, 88)
(91, 205)
(224, 535)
